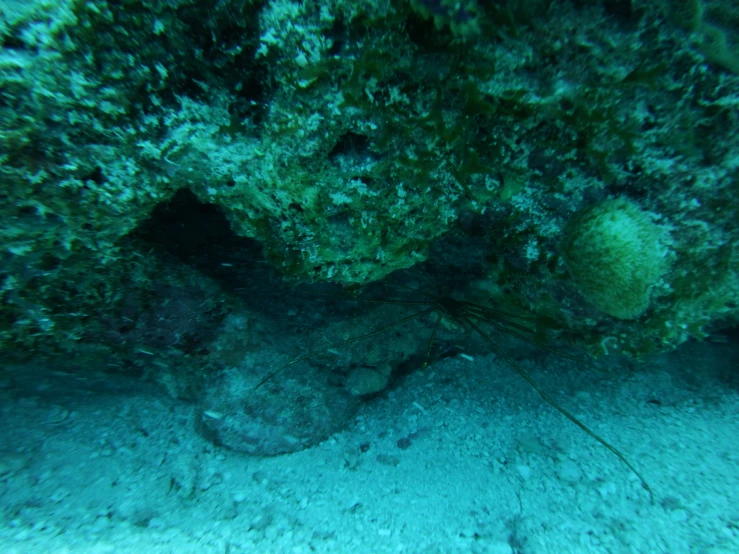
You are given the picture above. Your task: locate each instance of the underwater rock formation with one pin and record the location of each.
(348, 137)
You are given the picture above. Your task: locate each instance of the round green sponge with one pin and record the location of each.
(615, 253)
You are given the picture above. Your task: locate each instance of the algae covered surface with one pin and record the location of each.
(346, 138)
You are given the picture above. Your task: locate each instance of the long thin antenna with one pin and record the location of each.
(557, 407)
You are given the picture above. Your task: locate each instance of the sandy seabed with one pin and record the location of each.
(461, 457)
